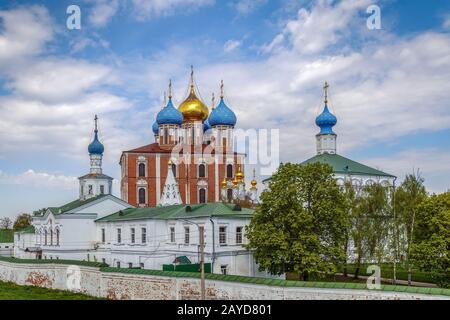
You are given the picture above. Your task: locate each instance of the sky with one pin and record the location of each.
(389, 87)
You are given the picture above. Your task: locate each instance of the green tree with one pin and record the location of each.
(299, 225)
(5, 223)
(23, 220)
(410, 194)
(430, 250)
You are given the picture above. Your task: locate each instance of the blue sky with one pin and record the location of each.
(389, 87)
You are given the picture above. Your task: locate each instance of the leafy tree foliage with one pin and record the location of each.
(5, 223)
(300, 224)
(430, 250)
(22, 221)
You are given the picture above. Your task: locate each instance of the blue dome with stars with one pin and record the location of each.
(222, 116)
(325, 121)
(96, 147)
(155, 127)
(169, 115)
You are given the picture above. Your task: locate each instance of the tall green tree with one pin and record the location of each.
(23, 220)
(410, 194)
(430, 250)
(300, 224)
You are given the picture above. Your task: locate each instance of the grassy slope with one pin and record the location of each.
(11, 291)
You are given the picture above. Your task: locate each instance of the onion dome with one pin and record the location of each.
(155, 128)
(253, 182)
(222, 115)
(192, 108)
(96, 147)
(235, 182)
(169, 115)
(224, 183)
(239, 174)
(325, 121)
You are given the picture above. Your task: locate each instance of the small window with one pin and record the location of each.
(103, 260)
(119, 235)
(141, 196)
(141, 170)
(174, 169)
(186, 235)
(222, 235)
(239, 235)
(57, 237)
(202, 195)
(144, 235)
(130, 265)
(172, 234)
(202, 171)
(51, 237)
(224, 269)
(103, 235)
(166, 136)
(90, 188)
(141, 265)
(230, 195)
(102, 189)
(118, 264)
(229, 171)
(133, 235)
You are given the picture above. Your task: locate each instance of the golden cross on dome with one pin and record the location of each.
(221, 89)
(192, 75)
(213, 100)
(325, 89)
(165, 99)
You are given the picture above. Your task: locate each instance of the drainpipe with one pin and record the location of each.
(214, 245)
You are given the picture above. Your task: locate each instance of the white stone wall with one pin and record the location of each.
(134, 286)
(6, 249)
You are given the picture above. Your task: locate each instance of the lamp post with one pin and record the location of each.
(201, 232)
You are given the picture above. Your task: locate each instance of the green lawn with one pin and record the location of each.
(11, 291)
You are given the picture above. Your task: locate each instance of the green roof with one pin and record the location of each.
(181, 211)
(182, 260)
(6, 236)
(344, 165)
(27, 229)
(70, 206)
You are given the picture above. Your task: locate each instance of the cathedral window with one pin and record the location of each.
(45, 237)
(239, 235)
(229, 171)
(144, 235)
(51, 237)
(222, 236)
(118, 264)
(141, 195)
(102, 189)
(103, 235)
(166, 136)
(172, 234)
(202, 171)
(202, 195)
(141, 170)
(119, 236)
(57, 237)
(186, 235)
(133, 235)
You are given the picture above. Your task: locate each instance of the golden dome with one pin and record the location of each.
(235, 181)
(193, 109)
(239, 174)
(254, 182)
(224, 183)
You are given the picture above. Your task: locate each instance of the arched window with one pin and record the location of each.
(229, 171)
(166, 136)
(45, 237)
(229, 195)
(174, 169)
(57, 237)
(141, 196)
(51, 237)
(202, 195)
(202, 171)
(141, 170)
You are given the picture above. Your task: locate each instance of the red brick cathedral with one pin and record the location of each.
(197, 145)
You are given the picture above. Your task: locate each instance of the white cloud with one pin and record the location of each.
(25, 33)
(103, 11)
(231, 45)
(39, 179)
(324, 25)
